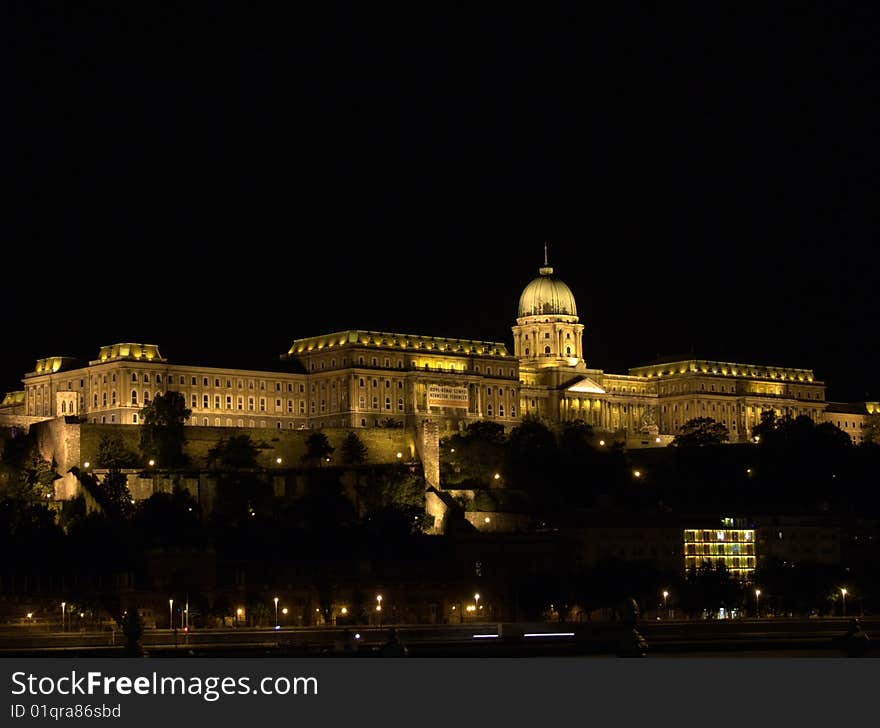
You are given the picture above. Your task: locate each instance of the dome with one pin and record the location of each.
(546, 295)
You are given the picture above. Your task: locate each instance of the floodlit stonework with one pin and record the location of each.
(362, 379)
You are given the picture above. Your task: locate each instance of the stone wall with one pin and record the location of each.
(290, 445)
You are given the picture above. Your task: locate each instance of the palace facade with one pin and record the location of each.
(370, 378)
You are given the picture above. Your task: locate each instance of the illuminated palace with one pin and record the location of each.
(370, 378)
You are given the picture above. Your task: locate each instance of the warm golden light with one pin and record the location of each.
(602, 443)
(239, 611)
(284, 611)
(665, 594)
(844, 592)
(344, 610)
(399, 455)
(487, 519)
(86, 464)
(637, 473)
(278, 461)
(152, 463)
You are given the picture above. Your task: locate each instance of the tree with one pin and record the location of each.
(474, 456)
(871, 433)
(113, 455)
(700, 431)
(162, 434)
(318, 449)
(531, 455)
(239, 452)
(354, 452)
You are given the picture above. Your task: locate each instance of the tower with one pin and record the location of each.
(547, 331)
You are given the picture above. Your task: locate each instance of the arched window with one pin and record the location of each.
(63, 407)
(568, 350)
(134, 396)
(527, 353)
(134, 376)
(546, 349)
(146, 397)
(113, 397)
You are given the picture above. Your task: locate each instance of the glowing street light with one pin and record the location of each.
(843, 594)
(399, 455)
(477, 603)
(86, 464)
(757, 603)
(343, 611)
(601, 443)
(63, 610)
(238, 615)
(275, 599)
(665, 597)
(637, 473)
(497, 476)
(152, 462)
(170, 613)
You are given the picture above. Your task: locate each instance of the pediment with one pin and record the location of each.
(585, 385)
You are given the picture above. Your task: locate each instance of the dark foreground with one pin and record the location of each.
(732, 639)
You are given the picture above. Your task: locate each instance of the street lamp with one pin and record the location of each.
(278, 461)
(379, 607)
(238, 615)
(665, 597)
(843, 594)
(170, 614)
(757, 603)
(276, 611)
(63, 609)
(476, 605)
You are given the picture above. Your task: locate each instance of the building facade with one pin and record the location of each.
(361, 378)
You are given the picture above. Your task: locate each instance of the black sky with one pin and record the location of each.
(221, 179)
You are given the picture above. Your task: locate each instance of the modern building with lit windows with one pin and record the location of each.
(732, 544)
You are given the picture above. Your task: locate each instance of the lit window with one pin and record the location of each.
(134, 397)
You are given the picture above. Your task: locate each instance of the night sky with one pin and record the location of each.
(221, 180)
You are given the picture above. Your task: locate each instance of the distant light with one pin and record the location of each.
(749, 471)
(602, 443)
(487, 519)
(357, 635)
(665, 594)
(278, 460)
(378, 607)
(399, 455)
(277, 626)
(497, 476)
(637, 473)
(843, 591)
(344, 610)
(485, 636)
(656, 439)
(152, 463)
(549, 634)
(81, 615)
(30, 615)
(757, 592)
(239, 611)
(284, 611)
(86, 464)
(452, 449)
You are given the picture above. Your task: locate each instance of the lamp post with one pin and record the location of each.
(63, 609)
(843, 594)
(238, 614)
(276, 612)
(665, 597)
(757, 603)
(379, 608)
(170, 614)
(477, 606)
